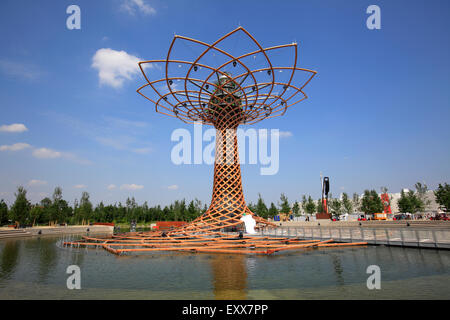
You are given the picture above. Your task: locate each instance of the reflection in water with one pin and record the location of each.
(77, 258)
(9, 258)
(230, 276)
(442, 266)
(338, 269)
(406, 258)
(47, 257)
(36, 267)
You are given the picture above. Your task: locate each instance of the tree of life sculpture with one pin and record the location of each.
(224, 100)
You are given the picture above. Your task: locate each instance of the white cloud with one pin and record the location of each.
(125, 123)
(280, 134)
(123, 143)
(142, 150)
(45, 153)
(131, 187)
(173, 187)
(111, 186)
(114, 67)
(285, 134)
(15, 127)
(75, 158)
(15, 147)
(116, 132)
(131, 6)
(36, 182)
(19, 69)
(109, 142)
(79, 186)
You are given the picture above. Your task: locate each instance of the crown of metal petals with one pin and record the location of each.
(229, 88)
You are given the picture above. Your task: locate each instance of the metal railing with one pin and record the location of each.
(430, 238)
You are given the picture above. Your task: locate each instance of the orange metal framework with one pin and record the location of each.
(225, 102)
(222, 100)
(211, 242)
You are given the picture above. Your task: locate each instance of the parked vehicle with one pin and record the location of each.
(442, 217)
(380, 216)
(402, 216)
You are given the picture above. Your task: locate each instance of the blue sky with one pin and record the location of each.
(377, 113)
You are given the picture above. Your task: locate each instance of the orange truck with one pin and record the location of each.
(380, 216)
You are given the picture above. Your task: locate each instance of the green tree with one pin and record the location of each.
(60, 209)
(273, 211)
(198, 208)
(346, 204)
(336, 208)
(356, 202)
(284, 204)
(99, 212)
(20, 210)
(85, 208)
(251, 206)
(409, 202)
(45, 215)
(442, 195)
(3, 212)
(76, 212)
(404, 203)
(192, 211)
(371, 202)
(423, 201)
(304, 203)
(131, 206)
(310, 206)
(261, 208)
(37, 214)
(296, 209)
(319, 206)
(179, 209)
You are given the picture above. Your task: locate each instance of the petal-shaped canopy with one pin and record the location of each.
(253, 82)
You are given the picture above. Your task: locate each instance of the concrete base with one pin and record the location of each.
(323, 216)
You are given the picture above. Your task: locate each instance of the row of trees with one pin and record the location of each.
(442, 194)
(58, 210)
(369, 203)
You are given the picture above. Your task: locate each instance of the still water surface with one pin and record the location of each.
(35, 268)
